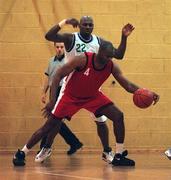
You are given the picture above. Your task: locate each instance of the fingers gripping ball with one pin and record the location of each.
(143, 98)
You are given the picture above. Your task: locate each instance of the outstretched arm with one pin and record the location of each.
(54, 35)
(120, 51)
(126, 84)
(74, 63)
(122, 80)
(65, 70)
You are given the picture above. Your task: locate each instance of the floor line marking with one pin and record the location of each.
(70, 176)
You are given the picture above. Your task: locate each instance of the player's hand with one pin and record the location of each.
(156, 98)
(127, 29)
(72, 21)
(46, 111)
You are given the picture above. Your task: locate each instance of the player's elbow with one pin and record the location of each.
(130, 89)
(49, 37)
(119, 56)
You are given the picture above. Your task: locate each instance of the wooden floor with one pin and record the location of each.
(149, 166)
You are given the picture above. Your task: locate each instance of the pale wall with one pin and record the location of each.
(24, 54)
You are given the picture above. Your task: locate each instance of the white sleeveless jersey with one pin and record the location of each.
(80, 45)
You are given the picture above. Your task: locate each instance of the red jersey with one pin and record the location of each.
(86, 82)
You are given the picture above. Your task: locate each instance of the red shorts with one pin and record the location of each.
(66, 106)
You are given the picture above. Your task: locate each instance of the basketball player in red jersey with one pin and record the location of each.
(84, 41)
(92, 69)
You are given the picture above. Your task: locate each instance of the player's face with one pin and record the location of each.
(86, 26)
(59, 47)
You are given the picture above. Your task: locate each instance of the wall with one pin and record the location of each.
(24, 55)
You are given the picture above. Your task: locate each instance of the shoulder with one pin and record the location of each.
(76, 62)
(51, 59)
(82, 61)
(95, 37)
(100, 40)
(77, 59)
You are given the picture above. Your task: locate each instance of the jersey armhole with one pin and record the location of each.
(72, 44)
(98, 39)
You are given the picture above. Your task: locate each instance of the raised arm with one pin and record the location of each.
(120, 51)
(54, 35)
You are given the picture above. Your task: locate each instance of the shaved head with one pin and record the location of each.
(86, 18)
(86, 26)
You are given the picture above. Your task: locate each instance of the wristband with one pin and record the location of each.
(62, 23)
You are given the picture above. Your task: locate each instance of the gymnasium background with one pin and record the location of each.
(24, 55)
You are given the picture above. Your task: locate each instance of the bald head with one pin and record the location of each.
(86, 18)
(86, 26)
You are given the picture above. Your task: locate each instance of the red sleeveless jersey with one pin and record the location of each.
(86, 82)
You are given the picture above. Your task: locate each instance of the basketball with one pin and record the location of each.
(143, 98)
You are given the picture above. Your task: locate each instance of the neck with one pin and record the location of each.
(60, 57)
(85, 36)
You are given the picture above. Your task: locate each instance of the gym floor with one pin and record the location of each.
(84, 166)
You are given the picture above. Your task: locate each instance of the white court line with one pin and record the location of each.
(69, 176)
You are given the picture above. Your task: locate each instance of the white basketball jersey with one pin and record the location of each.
(80, 45)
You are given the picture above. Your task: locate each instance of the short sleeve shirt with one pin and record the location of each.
(54, 65)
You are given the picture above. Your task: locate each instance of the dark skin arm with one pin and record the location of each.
(120, 51)
(126, 84)
(54, 35)
(74, 63)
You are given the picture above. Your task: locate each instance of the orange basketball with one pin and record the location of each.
(143, 98)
